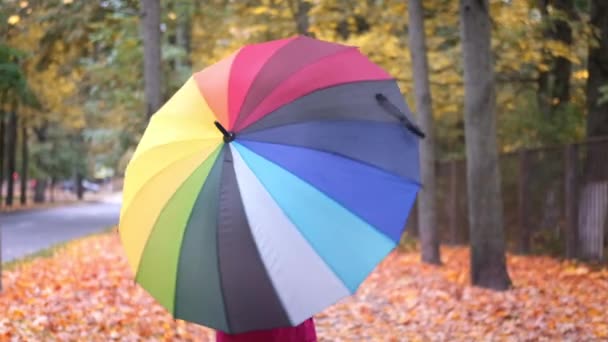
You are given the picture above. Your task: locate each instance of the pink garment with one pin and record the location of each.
(304, 332)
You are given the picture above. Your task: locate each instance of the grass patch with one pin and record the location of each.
(49, 252)
(408, 243)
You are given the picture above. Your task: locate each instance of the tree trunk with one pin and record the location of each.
(562, 67)
(24, 162)
(183, 38)
(2, 138)
(40, 190)
(571, 195)
(593, 208)
(554, 86)
(79, 186)
(2, 155)
(150, 31)
(53, 186)
(1, 258)
(488, 264)
(40, 133)
(523, 203)
(543, 96)
(11, 155)
(427, 209)
(452, 204)
(597, 118)
(301, 16)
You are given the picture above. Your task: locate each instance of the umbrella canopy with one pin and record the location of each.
(270, 185)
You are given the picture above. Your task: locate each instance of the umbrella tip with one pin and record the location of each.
(382, 99)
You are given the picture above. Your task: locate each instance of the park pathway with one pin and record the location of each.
(27, 232)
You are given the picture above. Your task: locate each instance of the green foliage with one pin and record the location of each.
(604, 95)
(547, 242)
(408, 242)
(57, 157)
(528, 126)
(14, 87)
(90, 52)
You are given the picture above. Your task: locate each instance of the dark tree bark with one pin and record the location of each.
(523, 203)
(24, 163)
(597, 118)
(488, 264)
(2, 154)
(543, 95)
(571, 197)
(40, 133)
(562, 67)
(79, 185)
(554, 85)
(427, 202)
(40, 191)
(53, 185)
(11, 155)
(150, 31)
(301, 16)
(183, 38)
(1, 259)
(361, 26)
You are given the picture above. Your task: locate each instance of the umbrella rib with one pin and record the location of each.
(337, 154)
(396, 112)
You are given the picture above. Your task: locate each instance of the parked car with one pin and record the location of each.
(88, 186)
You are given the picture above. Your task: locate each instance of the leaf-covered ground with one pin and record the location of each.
(85, 293)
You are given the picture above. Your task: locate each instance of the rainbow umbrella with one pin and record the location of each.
(270, 185)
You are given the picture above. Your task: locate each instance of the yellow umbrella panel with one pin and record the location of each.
(180, 137)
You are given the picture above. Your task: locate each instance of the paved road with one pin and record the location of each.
(24, 233)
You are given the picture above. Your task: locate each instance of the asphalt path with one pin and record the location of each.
(27, 232)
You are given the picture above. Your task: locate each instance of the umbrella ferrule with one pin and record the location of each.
(396, 112)
(228, 136)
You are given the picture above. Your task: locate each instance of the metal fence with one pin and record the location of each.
(555, 200)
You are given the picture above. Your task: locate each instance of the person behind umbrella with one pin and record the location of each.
(304, 332)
